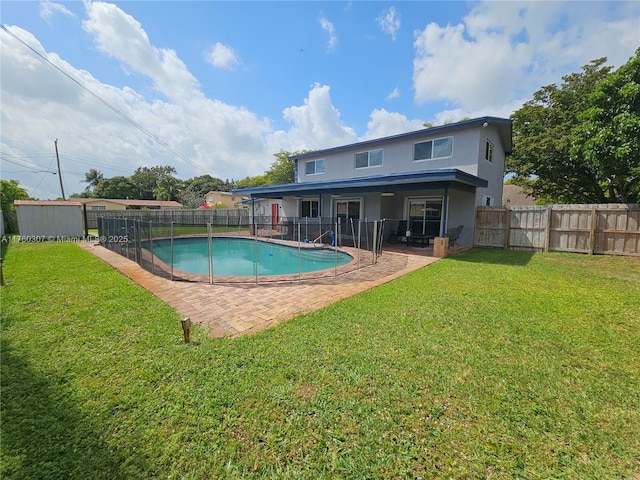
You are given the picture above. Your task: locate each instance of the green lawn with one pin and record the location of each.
(489, 364)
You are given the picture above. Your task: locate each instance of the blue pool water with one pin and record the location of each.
(237, 256)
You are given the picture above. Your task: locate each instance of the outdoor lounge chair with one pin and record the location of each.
(399, 232)
(454, 234)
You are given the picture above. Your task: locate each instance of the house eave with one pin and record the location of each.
(426, 179)
(504, 127)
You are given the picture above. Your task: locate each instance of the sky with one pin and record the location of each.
(218, 88)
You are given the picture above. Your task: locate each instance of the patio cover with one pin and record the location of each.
(394, 182)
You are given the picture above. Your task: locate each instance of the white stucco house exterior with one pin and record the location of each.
(431, 178)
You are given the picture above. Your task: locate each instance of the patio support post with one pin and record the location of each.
(445, 212)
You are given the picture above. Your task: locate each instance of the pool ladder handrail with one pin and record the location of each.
(322, 235)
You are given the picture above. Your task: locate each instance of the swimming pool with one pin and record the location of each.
(239, 257)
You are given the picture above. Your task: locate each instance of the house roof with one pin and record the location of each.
(134, 203)
(48, 203)
(512, 196)
(435, 178)
(503, 125)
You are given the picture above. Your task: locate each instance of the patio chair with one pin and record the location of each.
(454, 234)
(399, 232)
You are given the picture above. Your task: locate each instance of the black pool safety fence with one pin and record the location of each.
(262, 250)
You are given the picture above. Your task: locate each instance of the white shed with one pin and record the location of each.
(49, 219)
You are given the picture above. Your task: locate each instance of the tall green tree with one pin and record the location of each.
(93, 178)
(116, 187)
(10, 190)
(608, 137)
(281, 170)
(167, 189)
(206, 183)
(542, 139)
(148, 179)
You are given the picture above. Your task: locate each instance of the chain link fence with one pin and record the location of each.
(264, 250)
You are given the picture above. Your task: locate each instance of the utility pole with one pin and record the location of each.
(59, 171)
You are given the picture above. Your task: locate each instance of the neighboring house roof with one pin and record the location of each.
(512, 196)
(503, 124)
(47, 203)
(134, 203)
(434, 178)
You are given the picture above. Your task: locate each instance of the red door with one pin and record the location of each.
(274, 216)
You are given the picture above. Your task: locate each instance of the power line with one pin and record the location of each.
(107, 104)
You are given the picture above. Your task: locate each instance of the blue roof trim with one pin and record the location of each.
(434, 178)
(505, 130)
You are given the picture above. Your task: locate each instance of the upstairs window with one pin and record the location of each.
(313, 167)
(372, 158)
(488, 152)
(438, 148)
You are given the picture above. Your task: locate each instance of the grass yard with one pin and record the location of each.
(489, 364)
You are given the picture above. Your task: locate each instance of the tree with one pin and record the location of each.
(608, 138)
(148, 179)
(542, 138)
(190, 199)
(167, 189)
(10, 190)
(116, 187)
(282, 170)
(93, 178)
(206, 183)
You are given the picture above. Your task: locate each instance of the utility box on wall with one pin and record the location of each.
(49, 219)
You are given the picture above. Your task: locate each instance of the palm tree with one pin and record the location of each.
(167, 188)
(93, 178)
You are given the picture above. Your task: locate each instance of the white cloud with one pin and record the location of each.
(48, 9)
(486, 61)
(394, 94)
(383, 123)
(329, 28)
(315, 125)
(121, 36)
(212, 137)
(389, 22)
(222, 56)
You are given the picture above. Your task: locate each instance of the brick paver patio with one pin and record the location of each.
(236, 309)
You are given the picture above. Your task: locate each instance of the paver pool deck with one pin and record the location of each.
(228, 310)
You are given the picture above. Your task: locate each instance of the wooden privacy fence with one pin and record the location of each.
(611, 229)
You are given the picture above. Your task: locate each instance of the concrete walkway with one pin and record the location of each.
(236, 309)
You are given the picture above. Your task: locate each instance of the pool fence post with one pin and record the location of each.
(335, 256)
(125, 236)
(360, 236)
(151, 245)
(172, 250)
(186, 328)
(299, 253)
(255, 257)
(210, 258)
(374, 251)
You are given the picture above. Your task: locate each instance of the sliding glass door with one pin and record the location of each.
(425, 215)
(347, 212)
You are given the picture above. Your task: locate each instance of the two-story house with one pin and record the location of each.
(431, 178)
